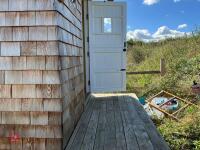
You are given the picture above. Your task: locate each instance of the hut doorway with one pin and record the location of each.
(105, 47)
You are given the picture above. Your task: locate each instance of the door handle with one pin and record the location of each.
(124, 50)
(123, 69)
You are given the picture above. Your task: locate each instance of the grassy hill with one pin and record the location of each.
(182, 58)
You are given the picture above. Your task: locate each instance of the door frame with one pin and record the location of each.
(86, 33)
(86, 45)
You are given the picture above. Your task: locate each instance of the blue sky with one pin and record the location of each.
(155, 18)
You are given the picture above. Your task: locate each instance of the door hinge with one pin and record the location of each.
(88, 54)
(87, 16)
(124, 50)
(88, 82)
(123, 69)
(124, 44)
(88, 39)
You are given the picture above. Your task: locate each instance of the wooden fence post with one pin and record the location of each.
(162, 67)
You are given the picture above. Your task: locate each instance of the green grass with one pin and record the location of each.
(183, 135)
(182, 58)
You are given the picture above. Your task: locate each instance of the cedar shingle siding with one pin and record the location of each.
(41, 72)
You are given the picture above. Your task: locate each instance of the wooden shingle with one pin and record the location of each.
(51, 77)
(48, 16)
(12, 18)
(55, 118)
(31, 17)
(23, 18)
(20, 34)
(10, 49)
(2, 77)
(25, 131)
(37, 33)
(56, 91)
(39, 118)
(5, 34)
(52, 33)
(19, 5)
(5, 91)
(4, 5)
(52, 63)
(5, 63)
(2, 19)
(23, 91)
(52, 105)
(28, 48)
(43, 91)
(19, 63)
(13, 77)
(36, 63)
(15, 118)
(10, 104)
(32, 77)
(32, 104)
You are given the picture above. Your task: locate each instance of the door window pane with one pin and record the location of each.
(107, 25)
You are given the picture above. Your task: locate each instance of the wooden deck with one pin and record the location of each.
(115, 123)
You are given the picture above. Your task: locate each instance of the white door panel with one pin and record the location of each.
(97, 25)
(108, 82)
(107, 58)
(107, 10)
(107, 36)
(107, 50)
(109, 41)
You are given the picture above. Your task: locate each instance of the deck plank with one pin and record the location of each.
(151, 128)
(75, 143)
(120, 135)
(99, 140)
(115, 123)
(88, 142)
(130, 137)
(110, 135)
(137, 125)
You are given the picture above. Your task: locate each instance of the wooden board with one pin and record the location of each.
(171, 97)
(116, 123)
(31, 94)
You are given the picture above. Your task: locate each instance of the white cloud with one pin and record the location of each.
(107, 20)
(182, 26)
(150, 2)
(162, 33)
(139, 34)
(177, 1)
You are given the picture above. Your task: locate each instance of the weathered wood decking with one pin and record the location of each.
(115, 123)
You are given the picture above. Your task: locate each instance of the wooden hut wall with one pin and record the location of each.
(71, 58)
(41, 72)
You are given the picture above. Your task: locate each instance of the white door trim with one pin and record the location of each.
(86, 46)
(123, 4)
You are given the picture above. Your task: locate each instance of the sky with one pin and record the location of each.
(153, 20)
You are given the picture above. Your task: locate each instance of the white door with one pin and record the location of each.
(107, 37)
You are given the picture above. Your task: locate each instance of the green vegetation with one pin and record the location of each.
(182, 58)
(184, 135)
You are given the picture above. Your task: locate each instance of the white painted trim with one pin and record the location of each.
(87, 59)
(123, 4)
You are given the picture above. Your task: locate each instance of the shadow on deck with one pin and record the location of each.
(115, 123)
